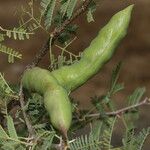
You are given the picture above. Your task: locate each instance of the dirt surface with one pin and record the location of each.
(134, 51)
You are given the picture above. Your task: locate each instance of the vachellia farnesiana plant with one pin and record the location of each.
(56, 86)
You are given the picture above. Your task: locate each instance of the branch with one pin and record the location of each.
(28, 124)
(57, 31)
(119, 112)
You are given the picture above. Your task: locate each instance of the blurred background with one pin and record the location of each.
(134, 51)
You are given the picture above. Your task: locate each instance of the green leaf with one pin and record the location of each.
(20, 147)
(128, 139)
(118, 87)
(133, 114)
(97, 102)
(11, 128)
(91, 10)
(85, 142)
(136, 96)
(44, 4)
(1, 37)
(71, 7)
(131, 141)
(10, 52)
(64, 6)
(31, 27)
(17, 33)
(114, 77)
(90, 16)
(107, 133)
(141, 138)
(66, 36)
(48, 141)
(48, 10)
(130, 119)
(3, 134)
(97, 129)
(5, 93)
(9, 145)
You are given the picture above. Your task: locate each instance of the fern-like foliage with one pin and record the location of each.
(135, 142)
(128, 139)
(132, 116)
(33, 26)
(6, 93)
(90, 16)
(141, 138)
(67, 7)
(71, 7)
(12, 54)
(62, 58)
(17, 33)
(91, 10)
(107, 134)
(46, 138)
(85, 142)
(98, 139)
(44, 4)
(114, 85)
(2, 37)
(131, 141)
(4, 87)
(136, 96)
(64, 6)
(48, 7)
(11, 128)
(9, 141)
(106, 100)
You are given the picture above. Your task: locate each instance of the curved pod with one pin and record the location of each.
(97, 54)
(55, 86)
(56, 98)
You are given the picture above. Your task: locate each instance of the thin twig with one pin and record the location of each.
(146, 101)
(28, 123)
(57, 31)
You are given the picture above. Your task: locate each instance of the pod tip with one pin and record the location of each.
(130, 7)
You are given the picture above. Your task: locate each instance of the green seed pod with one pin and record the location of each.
(56, 98)
(97, 54)
(55, 86)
